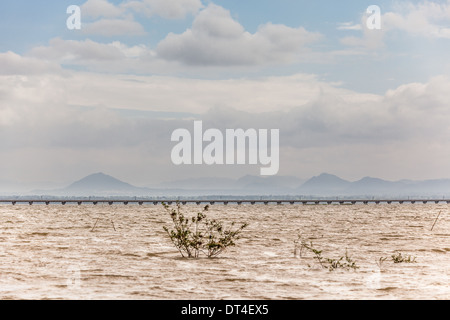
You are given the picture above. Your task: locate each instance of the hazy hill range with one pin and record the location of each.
(324, 185)
(331, 185)
(100, 184)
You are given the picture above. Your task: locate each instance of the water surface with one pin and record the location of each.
(52, 252)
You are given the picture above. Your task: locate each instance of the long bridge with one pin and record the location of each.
(220, 201)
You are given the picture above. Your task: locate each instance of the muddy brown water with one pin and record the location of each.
(51, 252)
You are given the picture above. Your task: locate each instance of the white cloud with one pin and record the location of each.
(427, 19)
(298, 103)
(14, 64)
(59, 121)
(95, 9)
(50, 116)
(349, 26)
(370, 40)
(103, 18)
(217, 39)
(114, 27)
(157, 93)
(169, 9)
(85, 52)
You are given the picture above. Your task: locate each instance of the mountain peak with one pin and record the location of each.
(324, 184)
(328, 178)
(99, 182)
(97, 175)
(370, 180)
(327, 175)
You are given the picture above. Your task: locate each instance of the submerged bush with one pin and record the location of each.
(344, 262)
(399, 258)
(380, 262)
(192, 236)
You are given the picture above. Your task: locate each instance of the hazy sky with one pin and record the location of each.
(347, 100)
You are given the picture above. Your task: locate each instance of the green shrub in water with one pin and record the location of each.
(192, 236)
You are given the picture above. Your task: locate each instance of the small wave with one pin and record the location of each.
(110, 276)
(131, 255)
(138, 293)
(387, 289)
(39, 234)
(439, 250)
(157, 254)
(235, 280)
(393, 235)
(8, 298)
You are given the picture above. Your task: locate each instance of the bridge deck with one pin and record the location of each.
(225, 202)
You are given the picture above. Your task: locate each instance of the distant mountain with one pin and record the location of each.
(331, 185)
(100, 183)
(325, 184)
(369, 186)
(441, 186)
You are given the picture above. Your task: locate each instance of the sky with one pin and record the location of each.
(348, 100)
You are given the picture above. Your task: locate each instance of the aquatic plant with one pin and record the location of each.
(97, 219)
(399, 258)
(344, 262)
(436, 220)
(380, 262)
(198, 234)
(310, 247)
